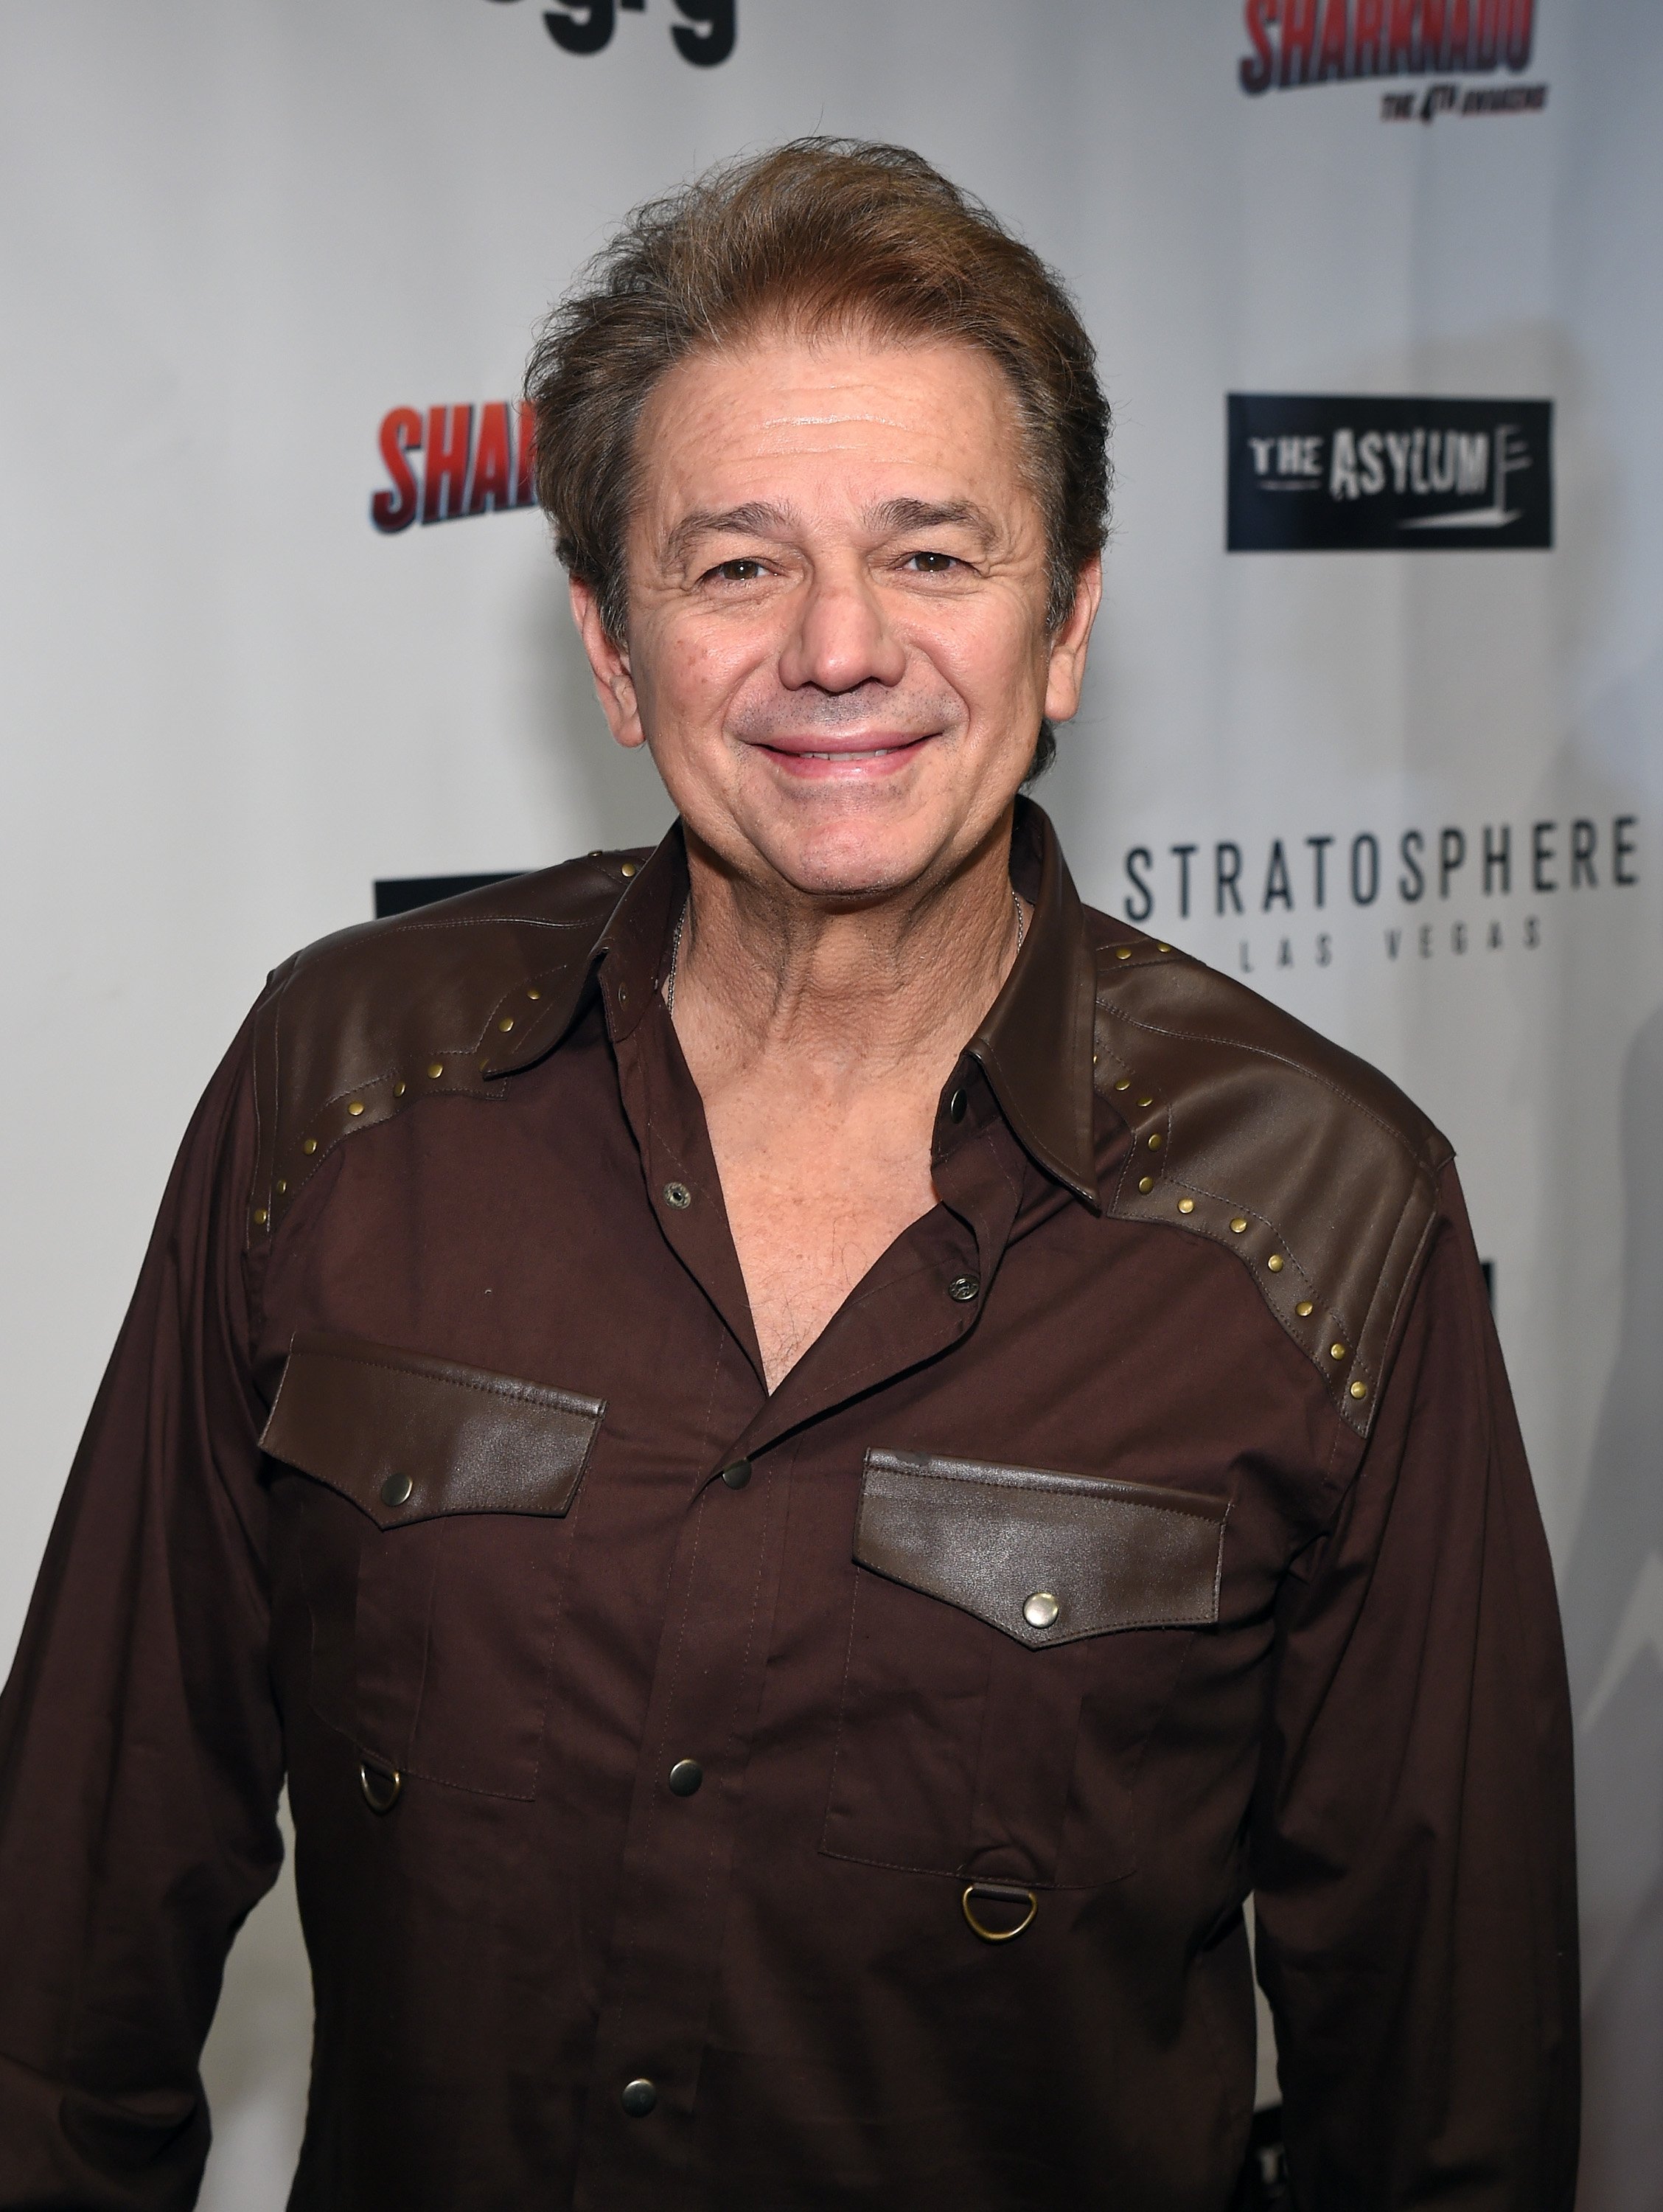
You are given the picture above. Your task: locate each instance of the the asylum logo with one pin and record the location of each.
(1302, 42)
(443, 463)
(1313, 473)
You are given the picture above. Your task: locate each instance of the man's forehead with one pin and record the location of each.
(790, 389)
(736, 428)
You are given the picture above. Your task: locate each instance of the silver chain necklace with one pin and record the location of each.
(681, 924)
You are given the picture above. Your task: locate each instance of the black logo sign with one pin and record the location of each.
(704, 35)
(1311, 473)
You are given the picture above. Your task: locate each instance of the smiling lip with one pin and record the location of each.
(851, 755)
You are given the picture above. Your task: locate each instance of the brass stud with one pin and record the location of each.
(397, 1090)
(436, 1068)
(356, 1107)
(1163, 948)
(627, 869)
(1125, 953)
(1146, 1182)
(1125, 1083)
(1094, 1060)
(533, 992)
(1155, 1142)
(1274, 1263)
(1359, 1390)
(260, 1216)
(1304, 1310)
(1336, 1352)
(506, 1024)
(1146, 1101)
(282, 1186)
(1186, 1206)
(1240, 1224)
(310, 1145)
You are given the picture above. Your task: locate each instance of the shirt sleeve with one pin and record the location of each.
(1413, 1848)
(140, 1755)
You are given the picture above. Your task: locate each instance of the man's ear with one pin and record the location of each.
(1066, 672)
(609, 664)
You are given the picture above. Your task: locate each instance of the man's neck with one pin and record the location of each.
(846, 995)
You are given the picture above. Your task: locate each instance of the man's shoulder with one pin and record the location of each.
(495, 921)
(1255, 1130)
(359, 1025)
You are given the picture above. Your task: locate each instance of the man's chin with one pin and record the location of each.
(851, 859)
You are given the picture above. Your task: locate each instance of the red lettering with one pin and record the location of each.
(1489, 40)
(450, 439)
(1331, 56)
(526, 477)
(401, 433)
(1258, 70)
(1460, 32)
(493, 485)
(1520, 32)
(1400, 56)
(1433, 56)
(1299, 42)
(1365, 51)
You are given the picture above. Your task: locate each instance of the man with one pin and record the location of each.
(811, 1459)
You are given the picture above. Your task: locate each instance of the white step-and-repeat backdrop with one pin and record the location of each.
(1373, 718)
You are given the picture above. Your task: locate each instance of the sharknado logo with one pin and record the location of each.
(1459, 890)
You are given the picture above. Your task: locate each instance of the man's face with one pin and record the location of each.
(837, 648)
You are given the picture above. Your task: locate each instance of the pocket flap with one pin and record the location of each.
(1046, 1558)
(405, 1436)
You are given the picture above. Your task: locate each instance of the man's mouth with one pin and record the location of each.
(846, 752)
(858, 752)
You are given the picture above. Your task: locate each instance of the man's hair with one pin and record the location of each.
(819, 236)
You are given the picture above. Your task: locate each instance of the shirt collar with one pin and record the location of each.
(1034, 1045)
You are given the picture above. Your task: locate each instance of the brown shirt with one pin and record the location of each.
(1150, 1527)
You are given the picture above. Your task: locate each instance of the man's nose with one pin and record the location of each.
(842, 638)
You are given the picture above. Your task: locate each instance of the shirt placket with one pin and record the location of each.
(665, 1960)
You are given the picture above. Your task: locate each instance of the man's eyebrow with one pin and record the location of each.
(756, 518)
(895, 517)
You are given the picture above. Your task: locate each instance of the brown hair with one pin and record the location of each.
(817, 234)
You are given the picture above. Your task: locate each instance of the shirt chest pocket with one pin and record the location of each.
(1017, 1634)
(432, 1548)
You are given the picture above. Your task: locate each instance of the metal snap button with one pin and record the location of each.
(678, 1195)
(639, 2097)
(737, 1475)
(395, 1490)
(380, 1785)
(1040, 1610)
(1004, 1893)
(955, 1106)
(685, 1776)
(964, 1288)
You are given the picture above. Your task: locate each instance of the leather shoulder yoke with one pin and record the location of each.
(361, 1025)
(1253, 1130)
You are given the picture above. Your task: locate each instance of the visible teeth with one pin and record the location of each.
(878, 752)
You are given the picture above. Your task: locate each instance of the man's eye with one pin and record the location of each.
(930, 564)
(742, 571)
